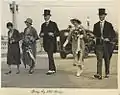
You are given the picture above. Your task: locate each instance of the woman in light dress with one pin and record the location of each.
(77, 34)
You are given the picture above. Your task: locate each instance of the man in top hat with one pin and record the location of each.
(105, 35)
(49, 32)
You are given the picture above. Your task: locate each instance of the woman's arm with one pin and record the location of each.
(68, 38)
(83, 31)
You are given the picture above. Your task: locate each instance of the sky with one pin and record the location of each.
(62, 12)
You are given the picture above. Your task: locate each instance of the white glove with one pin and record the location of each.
(51, 34)
(58, 39)
(42, 34)
(106, 39)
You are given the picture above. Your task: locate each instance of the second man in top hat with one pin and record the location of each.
(49, 32)
(104, 33)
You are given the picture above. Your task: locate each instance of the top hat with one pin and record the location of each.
(75, 20)
(28, 20)
(102, 11)
(46, 12)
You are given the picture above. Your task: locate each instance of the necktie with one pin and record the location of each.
(101, 28)
(47, 23)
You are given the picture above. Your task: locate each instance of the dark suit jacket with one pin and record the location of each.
(108, 31)
(51, 27)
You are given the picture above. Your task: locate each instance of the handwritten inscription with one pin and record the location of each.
(46, 91)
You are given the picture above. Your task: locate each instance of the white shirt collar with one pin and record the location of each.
(102, 21)
(47, 21)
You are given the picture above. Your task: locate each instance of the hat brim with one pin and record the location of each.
(27, 22)
(102, 14)
(75, 20)
(46, 14)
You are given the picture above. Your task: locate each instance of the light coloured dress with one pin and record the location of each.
(78, 45)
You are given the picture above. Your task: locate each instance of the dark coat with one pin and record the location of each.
(48, 40)
(13, 55)
(108, 31)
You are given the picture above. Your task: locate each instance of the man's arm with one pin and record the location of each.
(35, 35)
(94, 32)
(57, 32)
(41, 34)
(113, 34)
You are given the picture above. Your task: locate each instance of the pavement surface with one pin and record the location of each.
(65, 76)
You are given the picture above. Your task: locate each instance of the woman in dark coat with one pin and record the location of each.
(29, 45)
(13, 54)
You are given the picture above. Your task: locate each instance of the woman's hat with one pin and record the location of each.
(102, 11)
(28, 20)
(75, 20)
(46, 12)
(9, 24)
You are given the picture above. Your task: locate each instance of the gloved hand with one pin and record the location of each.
(41, 34)
(106, 39)
(51, 34)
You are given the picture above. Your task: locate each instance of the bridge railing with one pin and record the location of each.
(4, 47)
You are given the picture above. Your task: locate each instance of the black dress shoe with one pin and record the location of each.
(98, 77)
(74, 64)
(50, 72)
(31, 72)
(8, 72)
(18, 72)
(106, 76)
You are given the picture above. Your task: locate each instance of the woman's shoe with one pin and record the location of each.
(79, 73)
(98, 77)
(8, 72)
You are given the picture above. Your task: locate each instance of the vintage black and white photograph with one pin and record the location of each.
(59, 44)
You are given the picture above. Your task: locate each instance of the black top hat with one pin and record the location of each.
(46, 12)
(102, 11)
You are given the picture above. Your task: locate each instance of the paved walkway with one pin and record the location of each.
(65, 76)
